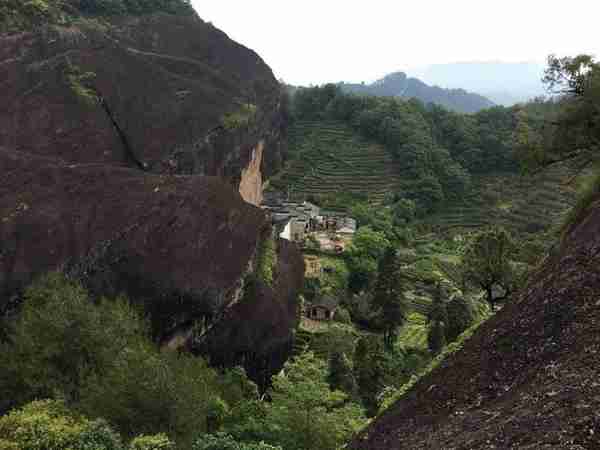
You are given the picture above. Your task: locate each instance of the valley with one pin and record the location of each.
(197, 255)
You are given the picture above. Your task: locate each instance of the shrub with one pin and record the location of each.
(241, 118)
(156, 442)
(267, 260)
(342, 316)
(48, 424)
(149, 392)
(222, 441)
(460, 317)
(100, 359)
(61, 339)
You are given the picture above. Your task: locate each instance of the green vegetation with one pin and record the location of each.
(394, 395)
(388, 297)
(399, 85)
(267, 260)
(78, 82)
(332, 164)
(100, 360)
(18, 15)
(487, 263)
(49, 424)
(241, 118)
(94, 361)
(438, 320)
(223, 441)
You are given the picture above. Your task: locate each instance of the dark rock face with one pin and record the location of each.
(181, 241)
(528, 378)
(164, 85)
(121, 150)
(274, 307)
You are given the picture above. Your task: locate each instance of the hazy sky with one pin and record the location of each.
(314, 41)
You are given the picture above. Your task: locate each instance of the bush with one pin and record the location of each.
(156, 442)
(460, 317)
(100, 359)
(342, 316)
(150, 392)
(222, 441)
(48, 424)
(61, 339)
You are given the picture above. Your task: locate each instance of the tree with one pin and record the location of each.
(389, 297)
(404, 211)
(341, 375)
(370, 370)
(577, 129)
(366, 249)
(460, 317)
(304, 413)
(486, 263)
(61, 338)
(48, 424)
(438, 320)
(223, 441)
(99, 358)
(427, 192)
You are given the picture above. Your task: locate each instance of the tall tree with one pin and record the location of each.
(438, 321)
(389, 297)
(577, 129)
(486, 263)
(370, 371)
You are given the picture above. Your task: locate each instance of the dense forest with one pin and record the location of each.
(439, 150)
(79, 371)
(399, 85)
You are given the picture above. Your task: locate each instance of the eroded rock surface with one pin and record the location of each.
(124, 148)
(150, 92)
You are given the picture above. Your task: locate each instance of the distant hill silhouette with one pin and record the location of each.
(398, 84)
(504, 83)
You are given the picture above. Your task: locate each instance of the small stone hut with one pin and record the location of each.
(322, 309)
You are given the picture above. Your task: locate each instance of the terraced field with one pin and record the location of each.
(521, 203)
(329, 157)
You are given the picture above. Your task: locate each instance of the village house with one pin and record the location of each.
(294, 221)
(322, 309)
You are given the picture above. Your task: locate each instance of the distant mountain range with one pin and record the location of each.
(398, 84)
(504, 83)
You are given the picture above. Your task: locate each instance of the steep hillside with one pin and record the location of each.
(161, 93)
(522, 203)
(527, 378)
(110, 123)
(399, 85)
(330, 158)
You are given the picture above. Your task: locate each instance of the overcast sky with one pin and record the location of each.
(316, 41)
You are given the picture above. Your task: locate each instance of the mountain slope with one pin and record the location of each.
(329, 157)
(399, 85)
(528, 378)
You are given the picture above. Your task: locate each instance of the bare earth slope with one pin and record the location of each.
(528, 379)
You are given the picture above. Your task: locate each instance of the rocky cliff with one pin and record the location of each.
(528, 378)
(161, 93)
(123, 142)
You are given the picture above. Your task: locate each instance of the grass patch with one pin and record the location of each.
(588, 193)
(241, 118)
(78, 82)
(267, 260)
(435, 362)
